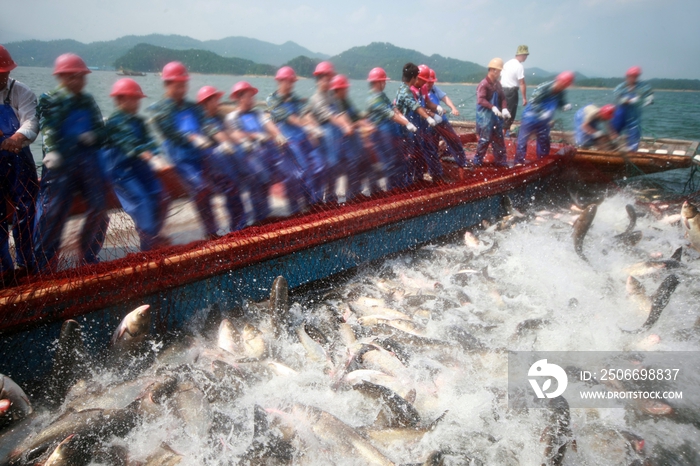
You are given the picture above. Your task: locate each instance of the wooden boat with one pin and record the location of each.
(130, 73)
(183, 282)
(598, 166)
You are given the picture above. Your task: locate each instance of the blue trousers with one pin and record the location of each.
(386, 140)
(19, 188)
(79, 174)
(142, 197)
(628, 120)
(490, 133)
(308, 160)
(528, 127)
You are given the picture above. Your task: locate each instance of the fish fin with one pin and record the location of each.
(437, 420)
(574, 446)
(678, 254)
(381, 421)
(545, 432)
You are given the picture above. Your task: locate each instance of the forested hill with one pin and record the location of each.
(149, 58)
(357, 61)
(103, 54)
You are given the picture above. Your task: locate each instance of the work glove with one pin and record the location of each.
(261, 137)
(53, 160)
(88, 138)
(649, 101)
(431, 121)
(566, 107)
(247, 145)
(438, 119)
(598, 134)
(633, 100)
(496, 112)
(411, 127)
(547, 115)
(440, 111)
(200, 142)
(227, 148)
(280, 139)
(157, 163)
(506, 114)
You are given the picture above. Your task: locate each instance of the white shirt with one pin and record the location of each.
(23, 102)
(513, 72)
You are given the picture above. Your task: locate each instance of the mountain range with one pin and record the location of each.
(104, 54)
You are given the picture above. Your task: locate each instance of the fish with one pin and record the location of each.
(254, 345)
(19, 405)
(690, 216)
(314, 350)
(69, 363)
(581, 227)
(652, 266)
(316, 425)
(401, 412)
(660, 300)
(164, 455)
(228, 338)
(637, 292)
(279, 304)
(70, 452)
(557, 435)
(133, 330)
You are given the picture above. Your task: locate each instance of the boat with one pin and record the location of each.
(183, 282)
(593, 165)
(130, 73)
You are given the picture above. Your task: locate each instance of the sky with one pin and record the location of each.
(595, 37)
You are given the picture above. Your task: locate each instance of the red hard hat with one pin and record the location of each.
(634, 71)
(566, 78)
(6, 61)
(377, 74)
(424, 73)
(70, 63)
(175, 71)
(339, 82)
(286, 73)
(433, 77)
(607, 111)
(241, 87)
(324, 68)
(127, 87)
(208, 91)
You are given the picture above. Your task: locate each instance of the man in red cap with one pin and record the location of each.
(73, 131)
(182, 125)
(592, 125)
(631, 96)
(19, 127)
(539, 113)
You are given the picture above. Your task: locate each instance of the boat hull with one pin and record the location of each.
(185, 283)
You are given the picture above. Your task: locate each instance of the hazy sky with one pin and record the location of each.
(595, 37)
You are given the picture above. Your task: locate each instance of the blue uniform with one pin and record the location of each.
(176, 122)
(537, 119)
(322, 107)
(137, 187)
(628, 111)
(308, 158)
(386, 139)
(429, 139)
(63, 118)
(447, 132)
(19, 187)
(587, 116)
(357, 162)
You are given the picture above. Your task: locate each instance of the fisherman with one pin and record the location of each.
(631, 96)
(334, 125)
(387, 121)
(266, 153)
(490, 112)
(182, 125)
(222, 158)
(19, 127)
(356, 160)
(445, 129)
(73, 130)
(410, 107)
(512, 78)
(539, 114)
(430, 138)
(592, 125)
(128, 156)
(286, 110)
